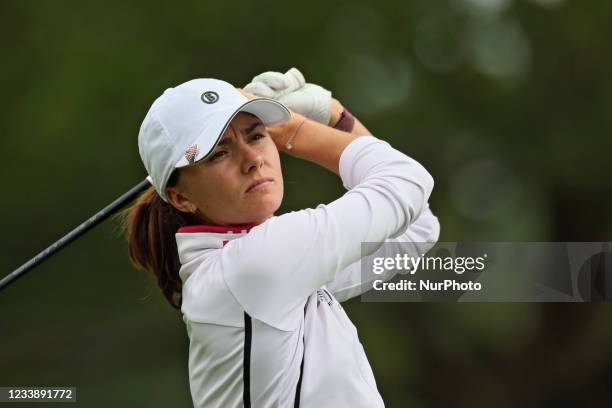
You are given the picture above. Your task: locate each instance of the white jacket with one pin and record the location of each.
(261, 303)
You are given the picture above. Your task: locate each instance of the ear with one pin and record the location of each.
(180, 201)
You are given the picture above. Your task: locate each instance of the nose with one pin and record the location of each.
(252, 160)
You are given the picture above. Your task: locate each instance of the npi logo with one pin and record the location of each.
(210, 97)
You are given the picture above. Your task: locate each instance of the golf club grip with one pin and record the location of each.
(77, 232)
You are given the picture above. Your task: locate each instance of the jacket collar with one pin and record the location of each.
(219, 229)
(192, 240)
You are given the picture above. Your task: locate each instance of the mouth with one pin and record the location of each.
(259, 184)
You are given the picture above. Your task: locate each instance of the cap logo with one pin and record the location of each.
(210, 97)
(191, 153)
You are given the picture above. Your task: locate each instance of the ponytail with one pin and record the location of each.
(149, 226)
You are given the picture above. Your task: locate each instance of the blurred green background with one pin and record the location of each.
(507, 103)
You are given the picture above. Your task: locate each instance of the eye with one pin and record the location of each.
(217, 155)
(257, 136)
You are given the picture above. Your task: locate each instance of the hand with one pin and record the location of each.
(291, 89)
(246, 94)
(282, 133)
(273, 85)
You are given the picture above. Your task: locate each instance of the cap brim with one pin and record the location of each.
(269, 111)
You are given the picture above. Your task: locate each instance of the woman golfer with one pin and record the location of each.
(260, 292)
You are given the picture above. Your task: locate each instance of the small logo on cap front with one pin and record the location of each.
(191, 153)
(210, 97)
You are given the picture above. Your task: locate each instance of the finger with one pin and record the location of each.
(275, 80)
(296, 78)
(260, 89)
(248, 95)
(298, 101)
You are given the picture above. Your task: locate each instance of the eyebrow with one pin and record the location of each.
(248, 129)
(251, 127)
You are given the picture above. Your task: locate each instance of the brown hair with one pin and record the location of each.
(149, 226)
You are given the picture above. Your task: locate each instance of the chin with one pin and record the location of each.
(263, 210)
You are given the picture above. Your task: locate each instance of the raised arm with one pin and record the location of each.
(418, 239)
(278, 264)
(312, 141)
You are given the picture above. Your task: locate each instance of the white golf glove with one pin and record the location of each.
(291, 89)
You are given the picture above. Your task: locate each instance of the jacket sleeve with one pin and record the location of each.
(419, 238)
(274, 268)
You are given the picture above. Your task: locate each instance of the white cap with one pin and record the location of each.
(186, 122)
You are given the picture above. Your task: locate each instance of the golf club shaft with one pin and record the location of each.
(77, 232)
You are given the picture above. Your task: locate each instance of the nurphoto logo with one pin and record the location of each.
(487, 271)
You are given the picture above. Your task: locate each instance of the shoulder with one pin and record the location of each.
(206, 297)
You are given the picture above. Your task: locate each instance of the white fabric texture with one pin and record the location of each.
(288, 275)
